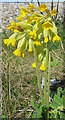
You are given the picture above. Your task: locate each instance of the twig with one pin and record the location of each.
(31, 1)
(38, 2)
(52, 5)
(62, 46)
(27, 110)
(39, 5)
(5, 51)
(29, 114)
(5, 106)
(57, 8)
(22, 111)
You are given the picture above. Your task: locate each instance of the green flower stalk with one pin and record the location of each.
(48, 83)
(49, 79)
(8, 81)
(38, 76)
(45, 85)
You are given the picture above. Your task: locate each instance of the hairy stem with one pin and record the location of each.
(38, 76)
(48, 83)
(45, 84)
(8, 80)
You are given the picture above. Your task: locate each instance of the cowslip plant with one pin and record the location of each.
(34, 32)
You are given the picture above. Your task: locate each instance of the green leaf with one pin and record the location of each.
(3, 116)
(62, 115)
(34, 105)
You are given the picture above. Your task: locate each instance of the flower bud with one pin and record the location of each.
(22, 44)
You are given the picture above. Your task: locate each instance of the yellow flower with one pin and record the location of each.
(30, 51)
(9, 27)
(42, 67)
(20, 18)
(24, 11)
(37, 43)
(56, 38)
(30, 47)
(13, 42)
(34, 65)
(47, 11)
(22, 55)
(46, 40)
(47, 25)
(14, 26)
(42, 7)
(18, 52)
(37, 19)
(9, 41)
(53, 12)
(31, 6)
(13, 23)
(33, 34)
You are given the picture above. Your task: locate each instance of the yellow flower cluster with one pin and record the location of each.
(37, 43)
(31, 6)
(46, 40)
(24, 11)
(14, 27)
(47, 25)
(30, 51)
(42, 67)
(53, 12)
(20, 18)
(29, 32)
(56, 38)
